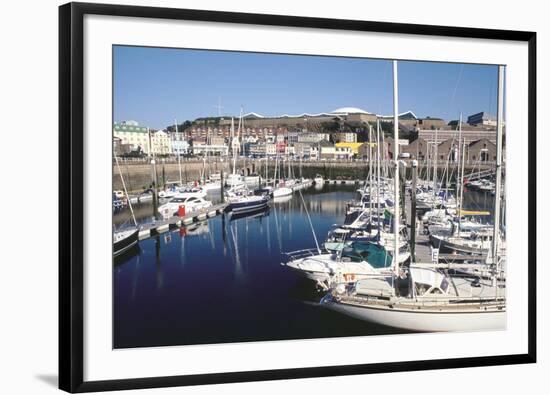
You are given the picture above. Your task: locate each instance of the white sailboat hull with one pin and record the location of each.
(424, 321)
(281, 191)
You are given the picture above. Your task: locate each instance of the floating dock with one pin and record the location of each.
(164, 225)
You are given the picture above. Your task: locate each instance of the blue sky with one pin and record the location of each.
(154, 86)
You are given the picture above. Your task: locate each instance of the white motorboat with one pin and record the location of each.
(183, 204)
(234, 180)
(195, 191)
(353, 262)
(282, 199)
(282, 191)
(211, 185)
(319, 180)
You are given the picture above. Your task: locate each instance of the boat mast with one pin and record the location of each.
(496, 231)
(378, 172)
(370, 175)
(241, 131)
(458, 157)
(125, 191)
(178, 151)
(435, 166)
(396, 172)
(461, 174)
(233, 145)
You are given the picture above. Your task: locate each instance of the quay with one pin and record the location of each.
(137, 172)
(162, 226)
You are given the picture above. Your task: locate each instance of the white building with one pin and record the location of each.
(161, 143)
(271, 149)
(180, 147)
(289, 150)
(210, 149)
(346, 137)
(132, 135)
(343, 152)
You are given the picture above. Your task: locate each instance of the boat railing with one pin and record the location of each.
(299, 254)
(422, 302)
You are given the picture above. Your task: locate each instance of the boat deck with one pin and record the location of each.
(423, 248)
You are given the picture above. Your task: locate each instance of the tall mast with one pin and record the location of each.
(460, 171)
(241, 131)
(458, 158)
(126, 191)
(435, 166)
(378, 172)
(498, 181)
(396, 172)
(232, 131)
(178, 150)
(370, 175)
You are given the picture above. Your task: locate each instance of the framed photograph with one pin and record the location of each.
(250, 197)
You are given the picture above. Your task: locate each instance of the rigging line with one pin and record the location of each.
(456, 88)
(309, 219)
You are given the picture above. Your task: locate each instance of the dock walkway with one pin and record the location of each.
(161, 226)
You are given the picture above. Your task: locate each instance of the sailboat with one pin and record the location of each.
(234, 179)
(239, 198)
(280, 190)
(423, 297)
(125, 239)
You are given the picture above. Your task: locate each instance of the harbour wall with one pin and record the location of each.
(138, 175)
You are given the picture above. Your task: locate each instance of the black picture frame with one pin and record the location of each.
(71, 198)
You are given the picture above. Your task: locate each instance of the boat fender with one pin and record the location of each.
(340, 289)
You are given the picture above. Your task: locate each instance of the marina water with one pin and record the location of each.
(221, 280)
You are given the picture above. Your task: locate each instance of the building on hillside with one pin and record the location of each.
(180, 147)
(345, 137)
(289, 150)
(363, 150)
(271, 148)
(482, 150)
(469, 134)
(132, 135)
(403, 143)
(354, 147)
(161, 143)
(417, 149)
(258, 150)
(201, 148)
(431, 123)
(119, 148)
(326, 150)
(482, 118)
(311, 137)
(342, 152)
(302, 150)
(217, 140)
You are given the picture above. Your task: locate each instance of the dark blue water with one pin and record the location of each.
(221, 281)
